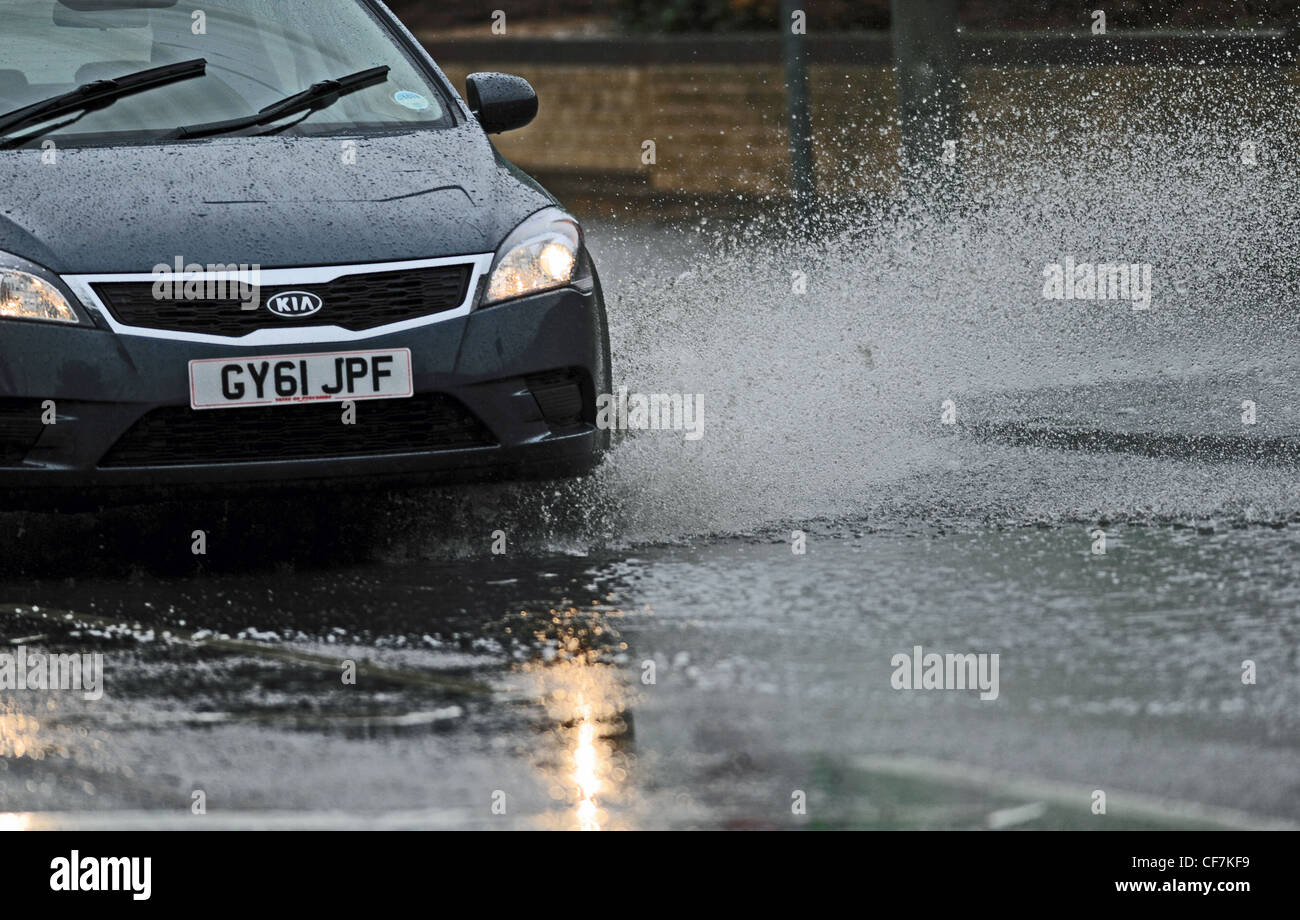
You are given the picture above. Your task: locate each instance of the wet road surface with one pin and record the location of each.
(707, 683)
(650, 651)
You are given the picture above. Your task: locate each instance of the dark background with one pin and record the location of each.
(727, 15)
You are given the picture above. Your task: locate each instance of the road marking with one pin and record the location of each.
(1067, 795)
(1020, 814)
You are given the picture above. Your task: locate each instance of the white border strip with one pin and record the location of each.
(81, 285)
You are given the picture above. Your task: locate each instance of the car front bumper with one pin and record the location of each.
(489, 363)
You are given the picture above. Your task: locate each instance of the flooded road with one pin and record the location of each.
(706, 685)
(695, 681)
(907, 451)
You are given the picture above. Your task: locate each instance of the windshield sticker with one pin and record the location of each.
(411, 100)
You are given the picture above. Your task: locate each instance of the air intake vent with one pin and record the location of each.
(559, 396)
(179, 436)
(20, 427)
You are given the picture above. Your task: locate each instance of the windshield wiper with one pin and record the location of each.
(319, 96)
(101, 93)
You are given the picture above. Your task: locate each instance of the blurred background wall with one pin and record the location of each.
(721, 15)
(703, 80)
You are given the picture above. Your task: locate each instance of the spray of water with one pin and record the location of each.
(827, 403)
(823, 403)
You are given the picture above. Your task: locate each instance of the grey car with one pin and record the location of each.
(267, 245)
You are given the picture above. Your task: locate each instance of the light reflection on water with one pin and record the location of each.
(585, 764)
(19, 735)
(15, 822)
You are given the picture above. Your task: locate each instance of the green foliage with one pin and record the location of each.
(1128, 14)
(697, 15)
(747, 15)
(827, 15)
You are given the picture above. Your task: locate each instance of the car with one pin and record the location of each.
(267, 246)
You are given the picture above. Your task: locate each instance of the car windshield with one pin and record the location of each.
(258, 52)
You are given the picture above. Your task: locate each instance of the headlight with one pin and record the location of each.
(543, 253)
(24, 296)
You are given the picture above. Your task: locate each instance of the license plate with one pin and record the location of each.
(219, 383)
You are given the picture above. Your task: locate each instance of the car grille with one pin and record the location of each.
(353, 302)
(20, 427)
(177, 436)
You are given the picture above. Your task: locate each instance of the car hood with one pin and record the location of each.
(268, 201)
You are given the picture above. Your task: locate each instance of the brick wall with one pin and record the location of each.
(720, 132)
(717, 128)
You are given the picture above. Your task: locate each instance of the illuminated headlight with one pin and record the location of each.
(543, 253)
(24, 296)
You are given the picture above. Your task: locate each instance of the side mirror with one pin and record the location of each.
(501, 101)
